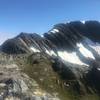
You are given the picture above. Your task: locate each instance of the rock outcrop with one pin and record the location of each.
(15, 84)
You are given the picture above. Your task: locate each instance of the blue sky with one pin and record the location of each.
(40, 15)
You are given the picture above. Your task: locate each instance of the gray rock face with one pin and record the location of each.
(16, 85)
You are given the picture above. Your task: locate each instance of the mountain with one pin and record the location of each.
(69, 53)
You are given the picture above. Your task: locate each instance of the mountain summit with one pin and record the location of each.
(73, 50)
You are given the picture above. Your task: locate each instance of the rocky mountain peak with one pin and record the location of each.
(68, 54)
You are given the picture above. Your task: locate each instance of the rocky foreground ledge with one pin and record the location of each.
(16, 85)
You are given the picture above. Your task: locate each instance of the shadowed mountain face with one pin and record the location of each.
(21, 43)
(61, 36)
(73, 48)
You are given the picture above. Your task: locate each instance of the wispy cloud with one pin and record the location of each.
(4, 37)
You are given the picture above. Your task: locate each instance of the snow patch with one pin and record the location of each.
(93, 45)
(42, 35)
(98, 69)
(50, 53)
(83, 21)
(34, 49)
(96, 47)
(54, 31)
(85, 51)
(70, 57)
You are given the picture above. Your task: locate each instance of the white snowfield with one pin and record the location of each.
(34, 49)
(83, 21)
(73, 57)
(70, 57)
(54, 31)
(85, 52)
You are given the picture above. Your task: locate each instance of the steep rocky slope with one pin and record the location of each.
(65, 62)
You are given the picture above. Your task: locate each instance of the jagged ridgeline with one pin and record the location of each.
(73, 49)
